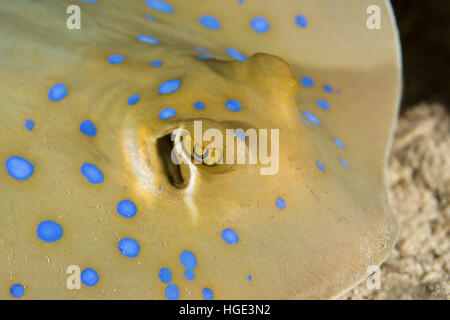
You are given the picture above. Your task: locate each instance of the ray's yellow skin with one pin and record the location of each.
(335, 224)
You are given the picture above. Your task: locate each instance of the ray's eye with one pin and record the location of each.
(208, 157)
(214, 156)
(200, 154)
(179, 150)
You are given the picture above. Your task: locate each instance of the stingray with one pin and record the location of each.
(92, 207)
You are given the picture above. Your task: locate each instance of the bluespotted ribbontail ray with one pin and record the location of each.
(84, 182)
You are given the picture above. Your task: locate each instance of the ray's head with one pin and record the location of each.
(209, 151)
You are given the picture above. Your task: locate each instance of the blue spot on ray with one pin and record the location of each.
(92, 173)
(156, 63)
(250, 278)
(188, 260)
(230, 236)
(159, 5)
(307, 82)
(209, 22)
(323, 104)
(89, 1)
(89, 277)
(339, 143)
(172, 292)
(133, 99)
(49, 231)
(240, 135)
(189, 275)
(169, 86)
(57, 92)
(280, 203)
(345, 163)
(116, 59)
(199, 105)
(327, 88)
(201, 50)
(167, 113)
(260, 24)
(204, 58)
(236, 54)
(304, 120)
(312, 118)
(147, 39)
(207, 294)
(88, 128)
(29, 124)
(320, 166)
(129, 247)
(233, 105)
(301, 21)
(165, 275)
(150, 17)
(19, 168)
(126, 208)
(17, 290)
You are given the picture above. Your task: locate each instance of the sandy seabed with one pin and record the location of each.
(419, 180)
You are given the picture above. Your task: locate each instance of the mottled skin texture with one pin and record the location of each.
(335, 224)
